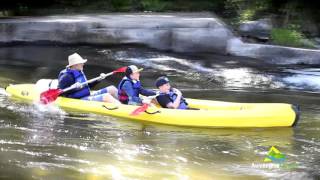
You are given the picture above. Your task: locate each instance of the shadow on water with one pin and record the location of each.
(53, 143)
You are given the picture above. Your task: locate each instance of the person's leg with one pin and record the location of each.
(110, 89)
(94, 98)
(113, 91)
(100, 91)
(102, 98)
(110, 99)
(108, 94)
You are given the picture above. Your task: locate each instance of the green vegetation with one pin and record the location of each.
(286, 37)
(115, 5)
(244, 10)
(290, 37)
(154, 5)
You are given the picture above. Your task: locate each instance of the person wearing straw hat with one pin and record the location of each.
(73, 76)
(130, 87)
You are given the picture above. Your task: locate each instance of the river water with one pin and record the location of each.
(50, 143)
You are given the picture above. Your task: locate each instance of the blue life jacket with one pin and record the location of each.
(122, 95)
(173, 96)
(80, 77)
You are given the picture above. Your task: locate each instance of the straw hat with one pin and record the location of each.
(74, 59)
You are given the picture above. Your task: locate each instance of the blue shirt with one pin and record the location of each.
(133, 92)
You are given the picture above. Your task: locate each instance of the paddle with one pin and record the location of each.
(144, 106)
(139, 110)
(51, 95)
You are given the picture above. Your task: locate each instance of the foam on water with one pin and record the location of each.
(163, 62)
(241, 77)
(37, 110)
(307, 71)
(304, 79)
(3, 98)
(3, 92)
(49, 109)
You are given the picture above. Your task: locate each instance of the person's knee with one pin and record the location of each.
(110, 99)
(107, 98)
(112, 90)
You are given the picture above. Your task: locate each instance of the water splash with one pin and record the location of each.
(304, 79)
(207, 73)
(161, 62)
(49, 109)
(37, 110)
(3, 92)
(3, 98)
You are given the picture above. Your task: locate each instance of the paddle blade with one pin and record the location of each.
(50, 95)
(139, 110)
(120, 70)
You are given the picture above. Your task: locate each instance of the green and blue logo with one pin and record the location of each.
(275, 156)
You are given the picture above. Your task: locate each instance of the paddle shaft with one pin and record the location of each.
(87, 82)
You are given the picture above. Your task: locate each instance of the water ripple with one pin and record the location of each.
(11, 142)
(74, 146)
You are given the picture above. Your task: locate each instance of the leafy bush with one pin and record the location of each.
(290, 37)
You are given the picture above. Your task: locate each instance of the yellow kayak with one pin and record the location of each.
(210, 114)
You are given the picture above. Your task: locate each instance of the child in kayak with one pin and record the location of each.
(130, 87)
(73, 76)
(169, 97)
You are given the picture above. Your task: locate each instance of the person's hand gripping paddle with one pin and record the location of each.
(146, 103)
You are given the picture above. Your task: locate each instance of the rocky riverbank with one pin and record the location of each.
(178, 32)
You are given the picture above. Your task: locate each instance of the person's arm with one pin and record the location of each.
(163, 100)
(175, 104)
(127, 87)
(177, 101)
(146, 92)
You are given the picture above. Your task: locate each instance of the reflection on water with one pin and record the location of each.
(50, 143)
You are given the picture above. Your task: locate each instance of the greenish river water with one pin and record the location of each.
(50, 143)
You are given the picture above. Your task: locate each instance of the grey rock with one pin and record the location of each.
(273, 54)
(183, 32)
(259, 29)
(190, 32)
